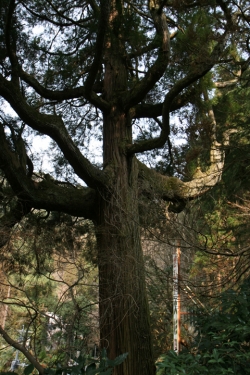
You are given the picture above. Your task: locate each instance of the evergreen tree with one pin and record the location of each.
(49, 287)
(115, 71)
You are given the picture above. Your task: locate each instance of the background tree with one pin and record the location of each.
(49, 288)
(97, 69)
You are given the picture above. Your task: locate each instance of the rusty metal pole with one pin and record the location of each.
(179, 297)
(176, 299)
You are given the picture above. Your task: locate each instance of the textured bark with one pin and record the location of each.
(124, 315)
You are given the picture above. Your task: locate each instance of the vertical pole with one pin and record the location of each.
(176, 299)
(179, 296)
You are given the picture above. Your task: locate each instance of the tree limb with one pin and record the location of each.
(10, 42)
(99, 47)
(22, 349)
(66, 94)
(160, 141)
(155, 110)
(44, 17)
(173, 189)
(53, 126)
(158, 68)
(199, 70)
(43, 193)
(222, 85)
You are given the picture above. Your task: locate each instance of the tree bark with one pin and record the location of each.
(124, 313)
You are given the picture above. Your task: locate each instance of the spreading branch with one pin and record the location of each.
(173, 189)
(199, 70)
(42, 193)
(53, 126)
(156, 71)
(11, 42)
(99, 47)
(65, 94)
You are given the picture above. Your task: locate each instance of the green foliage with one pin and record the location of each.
(44, 244)
(159, 289)
(221, 345)
(174, 364)
(82, 366)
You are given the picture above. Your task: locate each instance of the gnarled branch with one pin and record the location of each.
(54, 127)
(173, 189)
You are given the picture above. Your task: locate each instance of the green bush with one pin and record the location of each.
(222, 343)
(82, 366)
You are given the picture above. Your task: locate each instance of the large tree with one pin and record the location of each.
(114, 70)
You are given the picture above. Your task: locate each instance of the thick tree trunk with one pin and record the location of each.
(124, 313)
